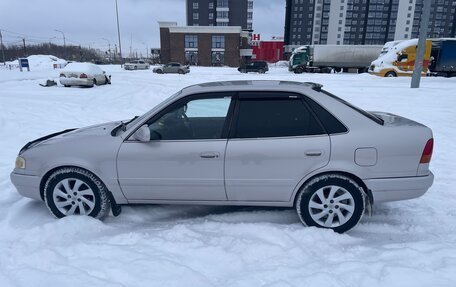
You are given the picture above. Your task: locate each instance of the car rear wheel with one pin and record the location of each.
(390, 74)
(331, 201)
(75, 191)
(181, 72)
(261, 71)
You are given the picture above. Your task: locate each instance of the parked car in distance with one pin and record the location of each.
(137, 65)
(83, 74)
(172, 67)
(253, 143)
(256, 66)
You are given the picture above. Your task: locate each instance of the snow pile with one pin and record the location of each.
(409, 243)
(41, 62)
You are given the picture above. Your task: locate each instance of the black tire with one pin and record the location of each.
(100, 199)
(337, 70)
(95, 82)
(136, 67)
(66, 86)
(261, 71)
(159, 71)
(343, 186)
(390, 74)
(298, 71)
(181, 72)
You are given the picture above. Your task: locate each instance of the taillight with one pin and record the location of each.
(83, 76)
(62, 75)
(427, 152)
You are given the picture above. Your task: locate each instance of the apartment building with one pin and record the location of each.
(220, 13)
(363, 22)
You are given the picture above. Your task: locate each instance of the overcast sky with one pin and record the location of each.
(86, 22)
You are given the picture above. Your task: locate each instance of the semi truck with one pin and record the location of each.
(397, 58)
(327, 58)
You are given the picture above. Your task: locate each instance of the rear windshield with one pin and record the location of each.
(371, 116)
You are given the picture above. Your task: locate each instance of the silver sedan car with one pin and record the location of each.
(256, 143)
(172, 67)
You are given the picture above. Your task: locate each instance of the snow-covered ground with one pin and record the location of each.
(410, 243)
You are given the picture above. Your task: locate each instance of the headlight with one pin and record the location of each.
(20, 162)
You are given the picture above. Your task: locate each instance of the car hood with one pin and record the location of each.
(69, 134)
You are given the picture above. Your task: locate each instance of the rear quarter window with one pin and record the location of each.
(330, 122)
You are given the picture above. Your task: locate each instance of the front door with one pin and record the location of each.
(276, 141)
(185, 158)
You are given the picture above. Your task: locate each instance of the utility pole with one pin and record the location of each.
(131, 44)
(1, 45)
(25, 49)
(109, 48)
(416, 77)
(64, 43)
(118, 34)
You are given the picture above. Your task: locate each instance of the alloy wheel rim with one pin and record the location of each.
(73, 196)
(331, 206)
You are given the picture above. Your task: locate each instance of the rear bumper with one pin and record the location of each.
(76, 82)
(393, 189)
(26, 185)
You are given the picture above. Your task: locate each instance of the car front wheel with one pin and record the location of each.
(331, 201)
(75, 191)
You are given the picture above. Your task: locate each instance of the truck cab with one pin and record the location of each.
(299, 59)
(397, 58)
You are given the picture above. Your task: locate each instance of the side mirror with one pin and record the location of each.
(142, 134)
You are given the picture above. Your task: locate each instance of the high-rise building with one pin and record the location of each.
(220, 13)
(363, 22)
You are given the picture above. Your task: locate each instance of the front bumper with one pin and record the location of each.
(402, 188)
(27, 185)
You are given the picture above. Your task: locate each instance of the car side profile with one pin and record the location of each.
(252, 143)
(172, 67)
(137, 65)
(254, 66)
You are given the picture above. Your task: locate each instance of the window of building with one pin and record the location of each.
(222, 3)
(249, 26)
(218, 58)
(250, 5)
(218, 42)
(211, 16)
(211, 5)
(222, 14)
(195, 16)
(249, 15)
(191, 41)
(195, 5)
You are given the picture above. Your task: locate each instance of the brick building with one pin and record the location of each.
(203, 45)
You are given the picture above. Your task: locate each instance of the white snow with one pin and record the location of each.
(88, 68)
(409, 243)
(40, 62)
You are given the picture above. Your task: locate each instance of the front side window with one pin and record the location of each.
(270, 115)
(202, 118)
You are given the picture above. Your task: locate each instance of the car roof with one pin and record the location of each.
(252, 85)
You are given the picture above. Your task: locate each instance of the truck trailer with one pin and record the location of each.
(327, 58)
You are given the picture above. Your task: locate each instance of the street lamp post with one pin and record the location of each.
(64, 42)
(118, 34)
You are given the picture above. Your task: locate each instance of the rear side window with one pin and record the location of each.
(274, 117)
(331, 124)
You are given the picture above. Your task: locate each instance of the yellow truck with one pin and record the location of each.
(397, 58)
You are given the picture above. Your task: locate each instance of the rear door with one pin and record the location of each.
(275, 141)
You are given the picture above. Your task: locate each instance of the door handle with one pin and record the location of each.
(313, 153)
(209, 155)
